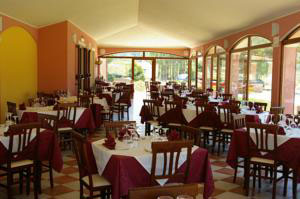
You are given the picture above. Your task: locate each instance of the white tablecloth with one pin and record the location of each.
(141, 152)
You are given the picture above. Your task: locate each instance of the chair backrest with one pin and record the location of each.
(115, 127)
(239, 121)
(48, 121)
(226, 112)
(156, 191)
(277, 110)
(86, 100)
(153, 106)
(170, 167)
(190, 133)
(147, 86)
(261, 104)
(67, 111)
(265, 137)
(80, 150)
(20, 137)
(227, 96)
(12, 108)
(170, 105)
(235, 102)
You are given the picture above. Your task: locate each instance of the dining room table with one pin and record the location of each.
(49, 149)
(84, 117)
(129, 165)
(288, 143)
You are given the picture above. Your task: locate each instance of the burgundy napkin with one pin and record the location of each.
(122, 132)
(22, 106)
(110, 142)
(173, 136)
(258, 109)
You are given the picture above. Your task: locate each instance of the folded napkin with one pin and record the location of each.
(22, 106)
(122, 133)
(110, 142)
(173, 135)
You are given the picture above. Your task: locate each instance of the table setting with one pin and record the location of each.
(131, 155)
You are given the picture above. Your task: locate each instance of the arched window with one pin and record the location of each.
(251, 69)
(215, 68)
(291, 72)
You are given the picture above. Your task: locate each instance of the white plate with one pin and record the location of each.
(122, 146)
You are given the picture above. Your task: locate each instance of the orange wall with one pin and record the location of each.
(175, 51)
(286, 24)
(71, 55)
(52, 57)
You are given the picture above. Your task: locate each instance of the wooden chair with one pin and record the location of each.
(226, 96)
(153, 108)
(170, 105)
(66, 115)
(125, 102)
(48, 122)
(85, 100)
(239, 122)
(254, 162)
(12, 108)
(261, 104)
(173, 149)
(15, 163)
(154, 192)
(277, 110)
(115, 107)
(116, 126)
(93, 182)
(147, 86)
(190, 133)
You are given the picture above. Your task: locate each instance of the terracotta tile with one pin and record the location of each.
(57, 190)
(239, 180)
(226, 171)
(217, 192)
(64, 179)
(71, 162)
(219, 163)
(69, 170)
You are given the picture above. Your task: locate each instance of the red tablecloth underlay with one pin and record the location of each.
(288, 152)
(125, 172)
(86, 120)
(48, 150)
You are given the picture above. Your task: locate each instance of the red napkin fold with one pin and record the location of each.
(22, 106)
(173, 135)
(110, 142)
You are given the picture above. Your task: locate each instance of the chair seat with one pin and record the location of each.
(174, 124)
(227, 131)
(206, 128)
(98, 181)
(20, 163)
(65, 129)
(153, 122)
(262, 160)
(105, 111)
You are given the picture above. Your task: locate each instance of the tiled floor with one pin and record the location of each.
(66, 184)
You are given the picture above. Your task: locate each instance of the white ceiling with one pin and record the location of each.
(151, 23)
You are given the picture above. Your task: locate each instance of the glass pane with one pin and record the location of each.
(211, 51)
(215, 73)
(103, 68)
(208, 71)
(155, 54)
(118, 69)
(193, 72)
(172, 70)
(295, 35)
(142, 73)
(200, 64)
(219, 49)
(238, 75)
(127, 54)
(242, 44)
(260, 75)
(259, 41)
(222, 73)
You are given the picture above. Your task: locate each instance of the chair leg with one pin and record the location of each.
(51, 175)
(21, 181)
(259, 177)
(254, 179)
(235, 173)
(127, 113)
(9, 183)
(91, 194)
(247, 175)
(285, 176)
(28, 181)
(274, 183)
(81, 190)
(295, 181)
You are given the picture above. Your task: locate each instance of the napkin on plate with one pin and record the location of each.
(173, 135)
(110, 142)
